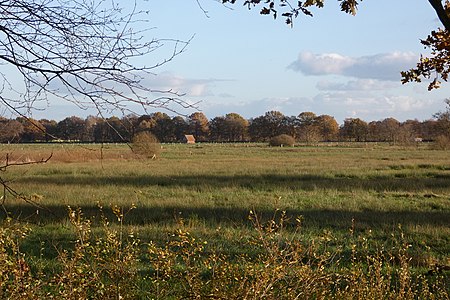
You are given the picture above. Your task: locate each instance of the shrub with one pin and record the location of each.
(145, 144)
(282, 140)
(442, 142)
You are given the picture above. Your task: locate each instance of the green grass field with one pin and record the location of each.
(340, 192)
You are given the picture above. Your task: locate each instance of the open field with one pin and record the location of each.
(340, 193)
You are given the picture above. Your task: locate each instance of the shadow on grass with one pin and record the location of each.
(161, 219)
(341, 182)
(217, 216)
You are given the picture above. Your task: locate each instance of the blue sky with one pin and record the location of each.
(333, 63)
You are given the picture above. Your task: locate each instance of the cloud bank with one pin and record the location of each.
(383, 66)
(192, 87)
(339, 104)
(356, 85)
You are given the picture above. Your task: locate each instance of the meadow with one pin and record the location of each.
(328, 207)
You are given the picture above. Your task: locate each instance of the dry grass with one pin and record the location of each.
(65, 153)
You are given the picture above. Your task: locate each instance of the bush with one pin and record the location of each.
(145, 144)
(282, 140)
(442, 142)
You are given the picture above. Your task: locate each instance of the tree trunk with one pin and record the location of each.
(442, 14)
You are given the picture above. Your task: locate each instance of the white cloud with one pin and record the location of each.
(225, 95)
(289, 106)
(374, 106)
(369, 106)
(405, 103)
(189, 86)
(356, 85)
(321, 64)
(384, 66)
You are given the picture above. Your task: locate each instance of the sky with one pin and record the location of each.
(333, 63)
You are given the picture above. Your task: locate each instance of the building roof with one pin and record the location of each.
(189, 138)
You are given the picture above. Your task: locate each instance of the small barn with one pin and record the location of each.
(189, 139)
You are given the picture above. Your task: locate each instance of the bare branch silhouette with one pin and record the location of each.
(9, 190)
(83, 52)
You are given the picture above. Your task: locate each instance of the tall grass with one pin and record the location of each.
(115, 264)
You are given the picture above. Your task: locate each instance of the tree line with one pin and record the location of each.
(306, 127)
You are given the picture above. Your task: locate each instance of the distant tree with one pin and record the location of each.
(231, 128)
(374, 131)
(307, 118)
(145, 125)
(391, 129)
(328, 127)
(145, 122)
(441, 142)
(308, 130)
(275, 119)
(158, 123)
(258, 130)
(51, 129)
(290, 126)
(217, 128)
(155, 117)
(265, 127)
(130, 124)
(387, 130)
(413, 126)
(33, 130)
(110, 130)
(10, 130)
(199, 126)
(164, 128)
(90, 125)
(236, 127)
(429, 129)
(443, 120)
(168, 130)
(181, 128)
(354, 129)
(101, 131)
(72, 128)
(410, 131)
(442, 138)
(406, 134)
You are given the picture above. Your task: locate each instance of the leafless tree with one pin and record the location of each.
(81, 51)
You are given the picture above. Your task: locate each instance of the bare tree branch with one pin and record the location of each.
(205, 12)
(83, 52)
(8, 190)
